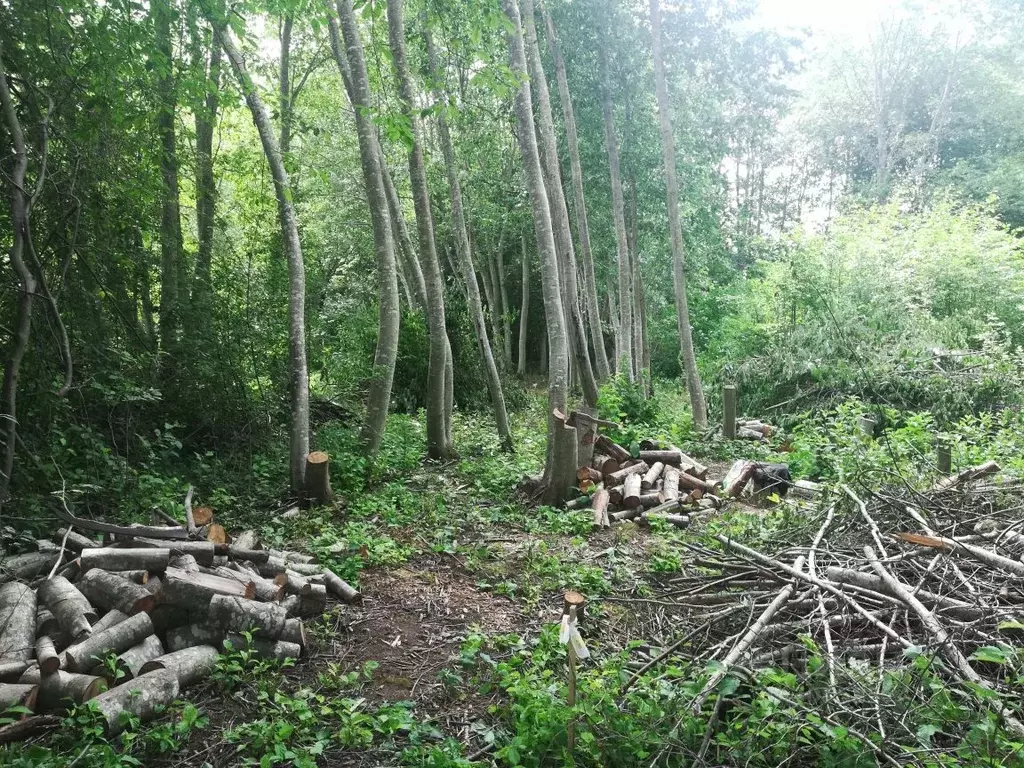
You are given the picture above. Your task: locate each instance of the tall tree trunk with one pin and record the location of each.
(26, 282)
(476, 310)
(586, 254)
(411, 265)
(506, 310)
(284, 91)
(624, 327)
(548, 146)
(206, 185)
(668, 152)
(636, 286)
(556, 480)
(170, 215)
(524, 310)
(299, 372)
(437, 434)
(384, 358)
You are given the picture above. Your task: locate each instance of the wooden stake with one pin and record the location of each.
(729, 411)
(943, 457)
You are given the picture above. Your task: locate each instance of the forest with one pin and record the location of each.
(451, 383)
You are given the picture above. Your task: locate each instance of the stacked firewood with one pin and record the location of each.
(660, 482)
(131, 622)
(753, 429)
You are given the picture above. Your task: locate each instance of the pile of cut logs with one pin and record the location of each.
(663, 482)
(131, 622)
(753, 429)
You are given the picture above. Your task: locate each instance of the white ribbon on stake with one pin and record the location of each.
(569, 635)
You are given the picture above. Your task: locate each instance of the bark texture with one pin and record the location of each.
(601, 365)
(379, 397)
(556, 483)
(551, 169)
(17, 622)
(144, 697)
(189, 665)
(463, 253)
(668, 153)
(437, 433)
(299, 372)
(119, 638)
(524, 311)
(206, 186)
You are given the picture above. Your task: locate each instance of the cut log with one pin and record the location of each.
(278, 650)
(118, 559)
(670, 487)
(26, 567)
(166, 617)
(692, 483)
(276, 565)
(626, 514)
(679, 521)
(614, 450)
(620, 477)
(649, 500)
(107, 591)
(46, 622)
(291, 557)
(189, 665)
(216, 534)
(144, 697)
(202, 516)
(580, 502)
(318, 478)
(631, 491)
(129, 664)
(303, 605)
(120, 637)
(599, 508)
(737, 477)
(236, 614)
(202, 551)
(61, 690)
(191, 635)
(76, 541)
(74, 614)
(652, 475)
(185, 563)
(194, 590)
(139, 577)
(604, 464)
(110, 618)
(258, 556)
(341, 588)
(28, 727)
(263, 589)
(589, 475)
(670, 458)
(691, 466)
(46, 655)
(10, 671)
(966, 475)
(154, 584)
(294, 583)
(17, 622)
(18, 695)
(246, 540)
(294, 633)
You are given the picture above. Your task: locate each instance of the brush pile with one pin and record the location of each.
(858, 601)
(131, 622)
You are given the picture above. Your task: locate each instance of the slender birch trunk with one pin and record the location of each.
(586, 254)
(624, 328)
(464, 257)
(379, 397)
(437, 433)
(26, 285)
(548, 146)
(410, 264)
(524, 310)
(299, 372)
(557, 478)
(668, 151)
(170, 214)
(635, 283)
(206, 185)
(506, 310)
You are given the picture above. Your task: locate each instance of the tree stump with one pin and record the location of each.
(318, 478)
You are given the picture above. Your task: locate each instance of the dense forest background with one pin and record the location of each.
(848, 211)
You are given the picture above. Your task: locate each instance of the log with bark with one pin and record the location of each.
(62, 690)
(46, 655)
(604, 464)
(189, 665)
(17, 622)
(144, 698)
(11, 671)
(26, 567)
(72, 610)
(341, 589)
(599, 509)
(588, 476)
(118, 638)
(194, 589)
(107, 591)
(631, 490)
(670, 487)
(76, 541)
(18, 695)
(614, 450)
(652, 475)
(128, 665)
(318, 478)
(278, 650)
(122, 559)
(620, 477)
(109, 619)
(190, 635)
(236, 614)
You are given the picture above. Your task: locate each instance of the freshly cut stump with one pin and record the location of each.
(18, 695)
(189, 665)
(318, 478)
(118, 638)
(61, 689)
(73, 611)
(107, 591)
(17, 622)
(236, 614)
(145, 697)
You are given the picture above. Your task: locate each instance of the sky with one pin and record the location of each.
(824, 18)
